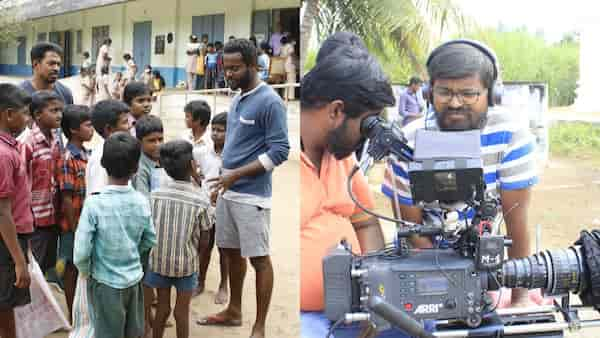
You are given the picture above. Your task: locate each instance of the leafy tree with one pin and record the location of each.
(525, 56)
(10, 22)
(395, 29)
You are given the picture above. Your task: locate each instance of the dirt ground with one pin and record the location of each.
(565, 202)
(283, 319)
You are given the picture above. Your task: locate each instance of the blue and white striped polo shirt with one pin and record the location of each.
(508, 151)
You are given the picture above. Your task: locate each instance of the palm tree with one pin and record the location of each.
(10, 22)
(412, 25)
(311, 10)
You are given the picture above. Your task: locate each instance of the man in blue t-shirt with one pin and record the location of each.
(46, 60)
(255, 143)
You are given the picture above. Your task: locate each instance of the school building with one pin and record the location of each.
(155, 32)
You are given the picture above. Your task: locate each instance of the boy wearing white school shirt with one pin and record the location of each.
(197, 120)
(210, 163)
(108, 117)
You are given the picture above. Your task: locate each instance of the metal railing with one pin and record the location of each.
(216, 91)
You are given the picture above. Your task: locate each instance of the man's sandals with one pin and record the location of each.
(218, 320)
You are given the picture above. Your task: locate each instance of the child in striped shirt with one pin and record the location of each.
(179, 211)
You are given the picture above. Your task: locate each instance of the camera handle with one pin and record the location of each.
(397, 317)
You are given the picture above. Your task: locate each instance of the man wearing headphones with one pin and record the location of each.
(463, 92)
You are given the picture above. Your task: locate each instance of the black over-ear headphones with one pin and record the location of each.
(494, 93)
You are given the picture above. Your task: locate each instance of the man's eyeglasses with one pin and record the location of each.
(466, 97)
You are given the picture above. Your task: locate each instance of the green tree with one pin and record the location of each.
(524, 56)
(394, 29)
(10, 22)
(311, 9)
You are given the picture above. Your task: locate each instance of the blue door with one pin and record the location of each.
(142, 44)
(261, 25)
(54, 37)
(212, 25)
(22, 51)
(219, 28)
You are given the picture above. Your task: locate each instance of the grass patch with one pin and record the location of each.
(577, 140)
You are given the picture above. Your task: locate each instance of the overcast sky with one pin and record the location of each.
(554, 17)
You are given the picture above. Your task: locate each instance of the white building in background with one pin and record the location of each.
(589, 68)
(155, 32)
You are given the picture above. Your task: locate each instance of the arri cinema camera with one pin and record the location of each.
(448, 284)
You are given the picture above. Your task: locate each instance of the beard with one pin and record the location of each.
(51, 78)
(242, 83)
(338, 142)
(460, 119)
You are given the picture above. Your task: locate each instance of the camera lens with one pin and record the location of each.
(557, 272)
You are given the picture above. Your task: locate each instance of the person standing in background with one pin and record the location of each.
(287, 52)
(409, 106)
(104, 92)
(146, 76)
(275, 41)
(131, 67)
(88, 89)
(211, 63)
(117, 87)
(204, 41)
(158, 83)
(263, 61)
(104, 56)
(253, 40)
(220, 70)
(87, 61)
(191, 68)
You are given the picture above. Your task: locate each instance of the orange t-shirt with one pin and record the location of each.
(325, 219)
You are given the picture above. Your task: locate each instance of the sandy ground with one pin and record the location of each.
(283, 320)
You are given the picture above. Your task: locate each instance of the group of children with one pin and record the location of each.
(210, 69)
(134, 216)
(104, 86)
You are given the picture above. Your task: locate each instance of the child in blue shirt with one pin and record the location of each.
(112, 243)
(211, 62)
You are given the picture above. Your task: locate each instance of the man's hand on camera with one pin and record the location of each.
(520, 298)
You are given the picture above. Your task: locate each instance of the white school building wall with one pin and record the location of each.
(175, 16)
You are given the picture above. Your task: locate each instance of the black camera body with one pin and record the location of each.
(401, 286)
(413, 282)
(447, 282)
